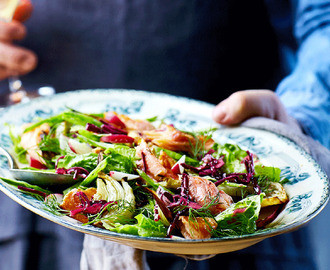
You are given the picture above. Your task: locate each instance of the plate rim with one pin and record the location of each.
(105, 233)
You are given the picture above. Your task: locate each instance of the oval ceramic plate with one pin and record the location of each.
(307, 187)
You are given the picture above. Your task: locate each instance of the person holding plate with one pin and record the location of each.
(203, 50)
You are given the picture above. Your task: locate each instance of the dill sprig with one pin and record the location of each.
(113, 212)
(204, 211)
(18, 149)
(148, 209)
(49, 142)
(264, 183)
(52, 205)
(218, 233)
(201, 137)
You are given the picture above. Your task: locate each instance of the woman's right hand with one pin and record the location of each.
(14, 59)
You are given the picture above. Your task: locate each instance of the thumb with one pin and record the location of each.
(242, 105)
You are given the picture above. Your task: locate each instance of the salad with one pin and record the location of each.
(148, 178)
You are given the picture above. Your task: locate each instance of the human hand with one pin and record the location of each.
(242, 105)
(14, 59)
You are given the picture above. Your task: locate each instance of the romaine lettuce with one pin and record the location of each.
(240, 218)
(145, 227)
(86, 161)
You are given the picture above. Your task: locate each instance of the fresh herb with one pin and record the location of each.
(201, 137)
(52, 205)
(16, 140)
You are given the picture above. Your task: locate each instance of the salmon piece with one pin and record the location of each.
(197, 228)
(30, 141)
(71, 201)
(138, 125)
(166, 160)
(170, 138)
(203, 192)
(153, 166)
(168, 163)
(208, 143)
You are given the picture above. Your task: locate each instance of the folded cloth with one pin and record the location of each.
(100, 254)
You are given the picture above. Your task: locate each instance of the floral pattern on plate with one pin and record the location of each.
(307, 187)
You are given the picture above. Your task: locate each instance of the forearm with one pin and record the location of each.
(306, 92)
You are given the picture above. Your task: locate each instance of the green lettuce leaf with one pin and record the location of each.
(122, 158)
(127, 229)
(87, 161)
(145, 227)
(233, 156)
(240, 218)
(71, 116)
(94, 173)
(150, 228)
(176, 156)
(234, 189)
(271, 173)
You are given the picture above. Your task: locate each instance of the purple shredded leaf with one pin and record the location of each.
(56, 163)
(143, 156)
(189, 167)
(94, 208)
(167, 213)
(232, 177)
(176, 201)
(93, 128)
(78, 172)
(249, 165)
(184, 186)
(32, 190)
(173, 224)
(89, 206)
(210, 152)
(85, 202)
(242, 178)
(256, 187)
(108, 128)
(61, 171)
(165, 196)
(211, 166)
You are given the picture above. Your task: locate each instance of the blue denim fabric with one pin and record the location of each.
(306, 91)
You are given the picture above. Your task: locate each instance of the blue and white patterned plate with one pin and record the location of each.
(307, 187)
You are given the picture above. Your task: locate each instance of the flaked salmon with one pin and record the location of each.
(204, 192)
(170, 138)
(149, 162)
(196, 228)
(137, 125)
